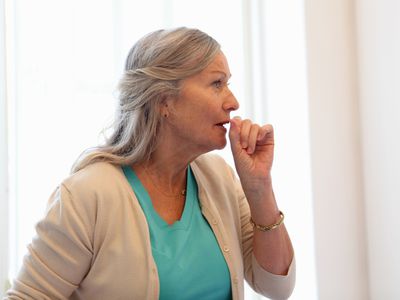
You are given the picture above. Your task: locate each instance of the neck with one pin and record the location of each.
(168, 163)
(172, 155)
(165, 170)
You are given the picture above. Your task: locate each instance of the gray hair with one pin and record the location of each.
(154, 69)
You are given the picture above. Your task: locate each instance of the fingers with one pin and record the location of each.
(248, 135)
(252, 138)
(245, 135)
(266, 134)
(234, 134)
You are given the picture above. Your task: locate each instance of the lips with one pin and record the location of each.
(223, 124)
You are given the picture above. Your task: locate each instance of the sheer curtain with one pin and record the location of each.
(66, 57)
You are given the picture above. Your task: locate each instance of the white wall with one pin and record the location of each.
(341, 254)
(378, 30)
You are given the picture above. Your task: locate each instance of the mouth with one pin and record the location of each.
(223, 124)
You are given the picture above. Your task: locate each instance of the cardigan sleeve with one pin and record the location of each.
(263, 282)
(60, 254)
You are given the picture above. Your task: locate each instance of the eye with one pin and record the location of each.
(218, 84)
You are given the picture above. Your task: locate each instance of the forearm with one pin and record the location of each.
(272, 249)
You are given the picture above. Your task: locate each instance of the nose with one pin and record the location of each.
(230, 103)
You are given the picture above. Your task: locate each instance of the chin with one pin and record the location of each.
(217, 144)
(221, 145)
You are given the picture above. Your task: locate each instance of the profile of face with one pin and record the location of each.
(197, 116)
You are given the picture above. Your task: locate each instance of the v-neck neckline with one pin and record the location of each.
(147, 205)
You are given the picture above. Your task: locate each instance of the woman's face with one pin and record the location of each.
(202, 107)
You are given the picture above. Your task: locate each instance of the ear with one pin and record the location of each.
(165, 106)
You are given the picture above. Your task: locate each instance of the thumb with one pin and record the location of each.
(234, 135)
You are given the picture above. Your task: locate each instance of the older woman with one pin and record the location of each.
(150, 215)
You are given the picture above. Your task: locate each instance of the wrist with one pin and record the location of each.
(268, 215)
(257, 189)
(271, 226)
(263, 208)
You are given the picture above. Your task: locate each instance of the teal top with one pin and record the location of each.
(189, 261)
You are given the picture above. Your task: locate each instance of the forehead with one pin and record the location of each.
(218, 64)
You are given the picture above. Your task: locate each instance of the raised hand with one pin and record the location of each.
(253, 151)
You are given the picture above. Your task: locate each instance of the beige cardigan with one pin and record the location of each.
(94, 241)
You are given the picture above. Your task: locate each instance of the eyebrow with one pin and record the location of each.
(220, 72)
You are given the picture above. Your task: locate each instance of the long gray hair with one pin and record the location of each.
(154, 68)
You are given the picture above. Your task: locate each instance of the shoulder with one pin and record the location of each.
(97, 175)
(100, 181)
(92, 193)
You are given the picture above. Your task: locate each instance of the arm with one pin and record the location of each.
(272, 249)
(59, 256)
(252, 148)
